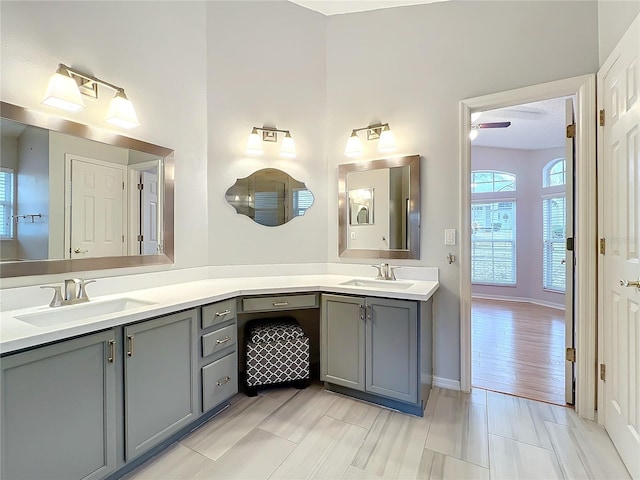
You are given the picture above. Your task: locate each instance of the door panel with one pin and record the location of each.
(621, 182)
(149, 213)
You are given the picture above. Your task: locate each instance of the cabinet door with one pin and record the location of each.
(160, 379)
(392, 348)
(342, 344)
(58, 410)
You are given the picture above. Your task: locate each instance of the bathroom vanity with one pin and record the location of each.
(117, 388)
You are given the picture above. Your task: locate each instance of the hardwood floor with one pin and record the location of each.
(518, 348)
(291, 434)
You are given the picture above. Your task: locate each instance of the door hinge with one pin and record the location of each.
(140, 238)
(571, 355)
(570, 243)
(603, 372)
(571, 130)
(122, 238)
(123, 185)
(603, 246)
(602, 117)
(140, 186)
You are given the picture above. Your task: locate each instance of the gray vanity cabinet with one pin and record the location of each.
(59, 410)
(342, 330)
(371, 345)
(160, 384)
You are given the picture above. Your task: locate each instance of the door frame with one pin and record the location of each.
(585, 210)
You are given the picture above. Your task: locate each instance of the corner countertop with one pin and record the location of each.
(16, 334)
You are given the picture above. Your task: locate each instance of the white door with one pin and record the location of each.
(569, 321)
(620, 78)
(96, 210)
(149, 213)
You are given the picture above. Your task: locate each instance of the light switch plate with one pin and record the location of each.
(449, 236)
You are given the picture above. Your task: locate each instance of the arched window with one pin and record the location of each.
(487, 181)
(554, 173)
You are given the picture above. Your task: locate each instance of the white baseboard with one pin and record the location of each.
(446, 383)
(535, 301)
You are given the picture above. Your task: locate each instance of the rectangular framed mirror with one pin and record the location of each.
(388, 227)
(76, 198)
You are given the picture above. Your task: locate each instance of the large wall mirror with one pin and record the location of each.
(379, 208)
(75, 198)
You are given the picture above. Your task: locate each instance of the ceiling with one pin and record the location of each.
(336, 7)
(533, 126)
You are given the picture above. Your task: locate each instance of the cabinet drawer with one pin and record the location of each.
(218, 312)
(219, 340)
(219, 381)
(282, 302)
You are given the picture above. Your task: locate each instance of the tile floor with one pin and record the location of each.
(292, 434)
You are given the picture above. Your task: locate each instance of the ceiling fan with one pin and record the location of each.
(475, 127)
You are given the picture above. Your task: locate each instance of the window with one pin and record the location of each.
(6, 203)
(266, 208)
(493, 242)
(554, 250)
(302, 200)
(554, 173)
(492, 181)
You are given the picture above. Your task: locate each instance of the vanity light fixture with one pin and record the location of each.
(269, 134)
(379, 131)
(66, 86)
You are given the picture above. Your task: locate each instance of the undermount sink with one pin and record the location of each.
(71, 313)
(382, 284)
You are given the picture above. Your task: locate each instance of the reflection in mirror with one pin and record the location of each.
(361, 206)
(388, 227)
(75, 198)
(270, 197)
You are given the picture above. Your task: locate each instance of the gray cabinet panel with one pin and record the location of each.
(392, 349)
(282, 302)
(220, 339)
(58, 411)
(160, 379)
(343, 341)
(218, 313)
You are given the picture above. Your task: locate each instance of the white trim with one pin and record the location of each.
(446, 383)
(584, 87)
(535, 301)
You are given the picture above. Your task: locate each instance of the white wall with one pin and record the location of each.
(527, 165)
(266, 67)
(410, 66)
(156, 51)
(614, 18)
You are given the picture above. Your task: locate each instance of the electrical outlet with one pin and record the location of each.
(449, 236)
(353, 235)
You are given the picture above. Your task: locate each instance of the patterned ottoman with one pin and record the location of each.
(277, 351)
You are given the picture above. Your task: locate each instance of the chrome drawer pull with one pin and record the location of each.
(112, 351)
(280, 304)
(222, 314)
(224, 380)
(223, 340)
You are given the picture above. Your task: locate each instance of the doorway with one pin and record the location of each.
(585, 224)
(521, 217)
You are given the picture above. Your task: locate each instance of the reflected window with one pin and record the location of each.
(554, 173)
(302, 201)
(492, 181)
(554, 225)
(6, 203)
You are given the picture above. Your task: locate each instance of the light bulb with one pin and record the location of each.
(63, 93)
(387, 142)
(121, 112)
(254, 144)
(354, 146)
(287, 149)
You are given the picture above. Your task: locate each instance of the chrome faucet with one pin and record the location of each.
(385, 272)
(74, 292)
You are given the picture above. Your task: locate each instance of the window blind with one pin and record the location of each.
(6, 203)
(554, 249)
(302, 200)
(493, 242)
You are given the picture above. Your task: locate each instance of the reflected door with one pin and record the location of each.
(97, 199)
(149, 213)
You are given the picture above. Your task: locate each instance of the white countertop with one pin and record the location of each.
(16, 334)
